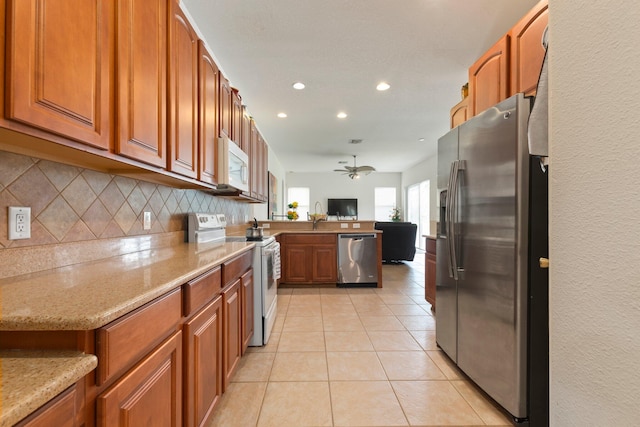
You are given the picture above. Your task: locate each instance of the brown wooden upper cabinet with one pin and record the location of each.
(527, 52)
(183, 95)
(489, 77)
(141, 80)
(67, 90)
(245, 140)
(208, 115)
(236, 117)
(225, 106)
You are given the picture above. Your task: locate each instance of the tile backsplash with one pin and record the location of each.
(71, 204)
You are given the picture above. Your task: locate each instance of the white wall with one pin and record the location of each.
(595, 213)
(335, 185)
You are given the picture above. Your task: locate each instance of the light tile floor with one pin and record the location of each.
(355, 357)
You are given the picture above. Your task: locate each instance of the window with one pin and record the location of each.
(300, 195)
(418, 210)
(385, 201)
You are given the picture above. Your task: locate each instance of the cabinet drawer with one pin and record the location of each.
(311, 239)
(201, 290)
(234, 268)
(60, 411)
(124, 341)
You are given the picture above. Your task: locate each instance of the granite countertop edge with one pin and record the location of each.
(40, 301)
(32, 378)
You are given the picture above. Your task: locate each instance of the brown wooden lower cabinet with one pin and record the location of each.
(232, 334)
(247, 308)
(430, 273)
(149, 394)
(202, 363)
(61, 411)
(309, 258)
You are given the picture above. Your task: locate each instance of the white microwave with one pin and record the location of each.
(233, 166)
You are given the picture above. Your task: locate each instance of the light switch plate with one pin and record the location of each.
(343, 225)
(19, 226)
(356, 225)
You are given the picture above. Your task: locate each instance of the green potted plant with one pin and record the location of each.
(395, 215)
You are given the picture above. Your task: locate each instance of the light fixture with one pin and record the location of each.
(298, 86)
(282, 115)
(342, 115)
(421, 139)
(382, 86)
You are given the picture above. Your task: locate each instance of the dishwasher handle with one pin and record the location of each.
(357, 236)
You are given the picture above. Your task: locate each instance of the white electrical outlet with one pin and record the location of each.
(19, 223)
(146, 222)
(356, 225)
(343, 225)
(266, 225)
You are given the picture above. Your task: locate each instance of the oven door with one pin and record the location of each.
(269, 287)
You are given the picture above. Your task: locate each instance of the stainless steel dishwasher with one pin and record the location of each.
(357, 259)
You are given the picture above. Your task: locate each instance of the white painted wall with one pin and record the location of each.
(334, 185)
(595, 213)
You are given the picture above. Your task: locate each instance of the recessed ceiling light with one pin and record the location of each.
(298, 85)
(383, 86)
(342, 115)
(282, 115)
(421, 139)
(355, 141)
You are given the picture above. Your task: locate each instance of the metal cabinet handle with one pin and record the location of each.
(544, 262)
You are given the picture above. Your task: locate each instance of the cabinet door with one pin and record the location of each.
(59, 67)
(460, 113)
(247, 308)
(430, 273)
(183, 95)
(261, 169)
(488, 77)
(325, 264)
(150, 394)
(236, 118)
(60, 412)
(209, 111)
(527, 52)
(203, 363)
(295, 264)
(225, 106)
(232, 325)
(253, 160)
(142, 80)
(245, 139)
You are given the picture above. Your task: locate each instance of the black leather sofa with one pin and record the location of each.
(398, 240)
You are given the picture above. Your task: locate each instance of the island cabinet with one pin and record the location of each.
(140, 362)
(141, 80)
(234, 312)
(65, 91)
(309, 258)
(183, 95)
(203, 351)
(430, 273)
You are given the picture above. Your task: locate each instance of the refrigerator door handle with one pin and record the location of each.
(460, 165)
(449, 222)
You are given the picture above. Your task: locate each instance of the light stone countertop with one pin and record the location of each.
(89, 295)
(29, 379)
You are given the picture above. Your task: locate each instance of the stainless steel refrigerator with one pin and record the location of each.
(491, 318)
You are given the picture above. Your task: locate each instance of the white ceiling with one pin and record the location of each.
(341, 49)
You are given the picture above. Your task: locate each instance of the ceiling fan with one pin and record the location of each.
(354, 171)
